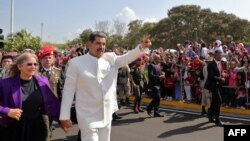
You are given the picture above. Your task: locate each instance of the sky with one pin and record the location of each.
(64, 20)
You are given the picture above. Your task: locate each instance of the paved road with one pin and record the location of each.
(176, 125)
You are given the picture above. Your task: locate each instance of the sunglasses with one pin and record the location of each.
(29, 64)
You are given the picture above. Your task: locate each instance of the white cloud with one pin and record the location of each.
(126, 15)
(150, 20)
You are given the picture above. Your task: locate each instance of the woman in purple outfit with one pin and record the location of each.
(24, 98)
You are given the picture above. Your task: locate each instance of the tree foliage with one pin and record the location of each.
(114, 39)
(22, 40)
(183, 20)
(136, 31)
(85, 35)
(133, 36)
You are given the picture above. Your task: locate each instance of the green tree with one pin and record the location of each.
(133, 37)
(22, 40)
(85, 35)
(184, 21)
(114, 39)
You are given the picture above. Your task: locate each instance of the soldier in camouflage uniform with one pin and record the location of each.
(139, 79)
(122, 84)
(55, 77)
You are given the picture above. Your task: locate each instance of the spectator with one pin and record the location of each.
(5, 63)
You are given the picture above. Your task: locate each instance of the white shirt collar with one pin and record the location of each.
(47, 69)
(217, 62)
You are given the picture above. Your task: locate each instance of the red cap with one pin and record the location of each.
(139, 59)
(46, 50)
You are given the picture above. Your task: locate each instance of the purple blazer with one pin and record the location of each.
(11, 97)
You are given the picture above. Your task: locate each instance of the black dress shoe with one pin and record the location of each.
(219, 123)
(158, 115)
(115, 116)
(203, 113)
(149, 112)
(211, 120)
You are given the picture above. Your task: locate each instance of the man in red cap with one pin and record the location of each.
(54, 75)
(48, 69)
(139, 79)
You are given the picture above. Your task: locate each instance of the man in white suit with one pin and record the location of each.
(92, 78)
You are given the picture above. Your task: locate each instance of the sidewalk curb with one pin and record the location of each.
(184, 105)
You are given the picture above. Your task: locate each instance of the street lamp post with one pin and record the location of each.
(12, 18)
(42, 31)
(196, 34)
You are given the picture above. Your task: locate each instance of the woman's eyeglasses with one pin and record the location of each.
(29, 64)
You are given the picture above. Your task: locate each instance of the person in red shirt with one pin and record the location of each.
(196, 63)
(169, 87)
(188, 83)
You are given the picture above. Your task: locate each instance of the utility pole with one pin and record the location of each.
(41, 31)
(12, 18)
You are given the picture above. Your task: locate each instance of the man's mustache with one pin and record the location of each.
(101, 49)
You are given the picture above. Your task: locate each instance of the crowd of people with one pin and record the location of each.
(183, 75)
(39, 87)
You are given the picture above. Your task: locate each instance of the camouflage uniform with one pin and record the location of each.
(122, 84)
(139, 80)
(55, 78)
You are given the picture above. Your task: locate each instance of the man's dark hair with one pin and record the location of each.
(203, 44)
(7, 57)
(187, 42)
(217, 52)
(80, 51)
(95, 34)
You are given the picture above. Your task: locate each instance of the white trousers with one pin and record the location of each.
(96, 134)
(187, 89)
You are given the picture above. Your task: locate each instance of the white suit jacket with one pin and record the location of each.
(93, 80)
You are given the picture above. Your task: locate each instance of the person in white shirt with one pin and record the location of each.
(204, 51)
(225, 52)
(217, 46)
(92, 78)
